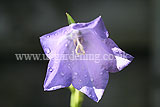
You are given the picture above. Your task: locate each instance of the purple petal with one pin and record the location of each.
(90, 76)
(55, 42)
(58, 75)
(97, 25)
(122, 58)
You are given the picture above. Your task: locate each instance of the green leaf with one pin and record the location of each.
(70, 19)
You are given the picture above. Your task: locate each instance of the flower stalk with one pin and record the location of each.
(76, 96)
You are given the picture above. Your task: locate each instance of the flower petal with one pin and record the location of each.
(90, 75)
(97, 25)
(122, 58)
(89, 78)
(55, 42)
(58, 75)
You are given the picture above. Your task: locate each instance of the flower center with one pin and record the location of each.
(79, 46)
(75, 35)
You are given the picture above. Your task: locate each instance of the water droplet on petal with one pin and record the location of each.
(75, 73)
(48, 36)
(62, 73)
(47, 50)
(50, 69)
(101, 73)
(66, 45)
(73, 77)
(55, 34)
(65, 31)
(92, 79)
(107, 33)
(90, 95)
(80, 80)
(69, 66)
(85, 75)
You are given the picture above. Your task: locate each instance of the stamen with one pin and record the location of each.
(79, 46)
(77, 40)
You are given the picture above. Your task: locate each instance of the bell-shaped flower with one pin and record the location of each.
(82, 54)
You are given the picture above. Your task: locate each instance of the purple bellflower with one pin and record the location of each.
(82, 54)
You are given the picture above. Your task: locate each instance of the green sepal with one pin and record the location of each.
(70, 19)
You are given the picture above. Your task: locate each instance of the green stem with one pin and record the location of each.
(76, 97)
